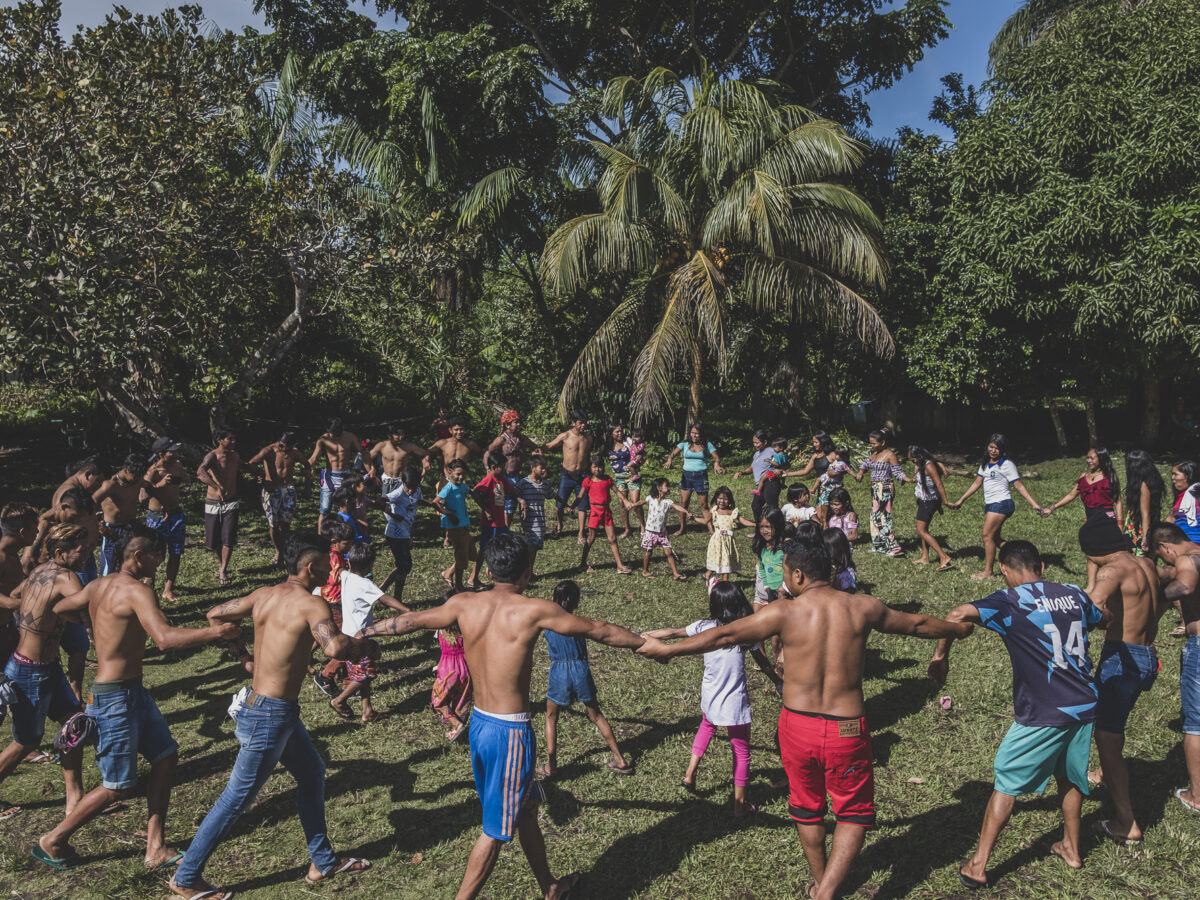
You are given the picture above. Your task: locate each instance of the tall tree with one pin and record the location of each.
(717, 192)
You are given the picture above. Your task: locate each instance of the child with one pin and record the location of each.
(359, 596)
(491, 493)
(654, 528)
(841, 514)
(724, 700)
(532, 493)
(797, 509)
(340, 536)
(452, 504)
(767, 546)
(401, 512)
(722, 548)
(345, 501)
(637, 459)
(598, 489)
(831, 479)
(452, 690)
(770, 483)
(845, 576)
(570, 680)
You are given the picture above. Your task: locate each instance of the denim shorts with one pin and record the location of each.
(1124, 671)
(570, 680)
(1004, 507)
(1189, 685)
(45, 691)
(694, 481)
(129, 723)
(572, 483)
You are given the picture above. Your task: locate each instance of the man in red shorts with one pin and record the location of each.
(823, 735)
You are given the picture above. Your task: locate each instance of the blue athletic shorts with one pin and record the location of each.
(502, 755)
(172, 527)
(129, 723)
(44, 691)
(1029, 755)
(1004, 507)
(1124, 671)
(1189, 685)
(570, 680)
(696, 482)
(571, 483)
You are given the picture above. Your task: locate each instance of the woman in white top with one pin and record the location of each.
(724, 700)
(997, 475)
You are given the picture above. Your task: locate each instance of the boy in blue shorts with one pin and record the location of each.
(500, 627)
(571, 680)
(1044, 626)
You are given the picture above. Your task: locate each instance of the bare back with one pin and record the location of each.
(117, 631)
(283, 637)
(40, 629)
(1128, 587)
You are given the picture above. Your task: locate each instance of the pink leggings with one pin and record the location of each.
(739, 739)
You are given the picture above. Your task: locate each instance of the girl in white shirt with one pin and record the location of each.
(654, 532)
(724, 700)
(996, 474)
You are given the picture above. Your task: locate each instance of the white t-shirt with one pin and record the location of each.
(996, 479)
(723, 696)
(358, 600)
(656, 514)
(404, 511)
(794, 514)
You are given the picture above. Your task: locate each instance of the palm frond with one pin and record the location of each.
(490, 195)
(810, 152)
(621, 189)
(605, 350)
(672, 341)
(1034, 20)
(594, 243)
(702, 278)
(755, 211)
(436, 132)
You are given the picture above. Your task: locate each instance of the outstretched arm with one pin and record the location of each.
(1024, 492)
(333, 643)
(166, 636)
(890, 621)
(939, 666)
(1071, 495)
(553, 617)
(232, 611)
(428, 619)
(748, 630)
(975, 485)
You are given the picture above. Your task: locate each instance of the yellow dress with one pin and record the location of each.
(722, 549)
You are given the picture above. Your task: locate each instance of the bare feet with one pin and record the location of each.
(646, 575)
(591, 571)
(169, 597)
(1069, 855)
(545, 770)
(743, 809)
(372, 716)
(222, 579)
(981, 576)
(562, 888)
(624, 571)
(921, 561)
(1096, 777)
(624, 534)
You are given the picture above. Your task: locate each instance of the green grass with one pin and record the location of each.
(400, 796)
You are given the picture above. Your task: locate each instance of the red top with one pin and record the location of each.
(492, 491)
(332, 591)
(1095, 494)
(598, 490)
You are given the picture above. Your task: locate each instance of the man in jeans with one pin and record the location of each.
(287, 617)
(123, 610)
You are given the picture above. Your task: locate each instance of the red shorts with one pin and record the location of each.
(598, 518)
(827, 755)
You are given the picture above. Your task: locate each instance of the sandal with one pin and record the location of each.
(349, 864)
(342, 712)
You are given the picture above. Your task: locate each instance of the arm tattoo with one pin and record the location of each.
(226, 608)
(324, 632)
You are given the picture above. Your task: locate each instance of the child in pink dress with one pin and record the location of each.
(452, 692)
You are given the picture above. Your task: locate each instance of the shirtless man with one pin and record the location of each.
(500, 628)
(118, 501)
(279, 461)
(456, 446)
(1127, 587)
(394, 455)
(35, 668)
(822, 729)
(1180, 576)
(340, 448)
(83, 474)
(163, 513)
(219, 471)
(18, 529)
(123, 611)
(513, 444)
(287, 617)
(576, 450)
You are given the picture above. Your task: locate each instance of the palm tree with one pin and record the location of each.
(716, 194)
(1032, 22)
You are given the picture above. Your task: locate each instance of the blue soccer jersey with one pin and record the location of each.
(1044, 626)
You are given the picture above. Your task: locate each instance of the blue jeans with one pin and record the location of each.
(270, 732)
(1124, 671)
(45, 692)
(1189, 685)
(128, 723)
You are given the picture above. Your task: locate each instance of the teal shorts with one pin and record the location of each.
(1029, 755)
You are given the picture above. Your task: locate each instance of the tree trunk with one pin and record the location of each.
(1089, 409)
(129, 411)
(267, 357)
(1060, 433)
(1151, 408)
(694, 398)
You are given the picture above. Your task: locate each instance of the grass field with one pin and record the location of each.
(400, 796)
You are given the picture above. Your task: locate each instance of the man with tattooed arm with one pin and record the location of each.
(287, 617)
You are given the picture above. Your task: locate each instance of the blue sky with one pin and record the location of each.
(975, 22)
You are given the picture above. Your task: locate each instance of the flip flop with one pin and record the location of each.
(621, 770)
(375, 716)
(946, 567)
(680, 577)
(1179, 796)
(209, 894)
(173, 861)
(348, 865)
(44, 757)
(64, 864)
(10, 810)
(689, 786)
(1101, 828)
(342, 713)
(971, 884)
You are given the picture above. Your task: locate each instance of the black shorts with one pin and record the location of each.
(401, 553)
(220, 529)
(927, 509)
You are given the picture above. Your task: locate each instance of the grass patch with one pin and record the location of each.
(397, 794)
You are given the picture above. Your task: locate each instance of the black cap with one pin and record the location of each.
(164, 445)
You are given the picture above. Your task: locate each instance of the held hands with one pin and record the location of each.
(228, 631)
(654, 649)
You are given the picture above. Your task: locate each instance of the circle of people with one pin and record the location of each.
(805, 607)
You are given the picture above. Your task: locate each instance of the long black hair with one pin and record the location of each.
(775, 517)
(727, 603)
(1109, 470)
(1139, 470)
(883, 435)
(838, 547)
(923, 458)
(1001, 442)
(824, 440)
